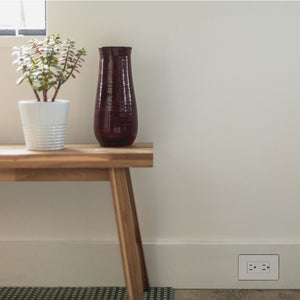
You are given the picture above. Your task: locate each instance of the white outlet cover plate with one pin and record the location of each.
(244, 259)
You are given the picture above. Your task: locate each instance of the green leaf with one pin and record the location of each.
(20, 80)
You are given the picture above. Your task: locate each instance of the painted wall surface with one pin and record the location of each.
(218, 89)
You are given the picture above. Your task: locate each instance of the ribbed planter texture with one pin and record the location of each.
(44, 123)
(115, 121)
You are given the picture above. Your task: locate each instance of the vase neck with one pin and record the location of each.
(115, 51)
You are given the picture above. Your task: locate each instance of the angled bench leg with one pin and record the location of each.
(129, 233)
(137, 233)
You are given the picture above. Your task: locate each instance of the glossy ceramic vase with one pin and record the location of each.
(115, 120)
(44, 124)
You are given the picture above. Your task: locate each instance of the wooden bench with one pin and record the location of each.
(90, 162)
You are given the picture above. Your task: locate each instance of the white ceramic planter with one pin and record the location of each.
(44, 123)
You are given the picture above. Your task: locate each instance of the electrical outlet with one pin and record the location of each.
(258, 267)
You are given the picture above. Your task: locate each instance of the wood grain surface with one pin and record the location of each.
(127, 226)
(78, 156)
(237, 295)
(78, 174)
(138, 238)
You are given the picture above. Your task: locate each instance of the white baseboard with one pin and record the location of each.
(180, 265)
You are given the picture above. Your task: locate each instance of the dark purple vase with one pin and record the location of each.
(115, 122)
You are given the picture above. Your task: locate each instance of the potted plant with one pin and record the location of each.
(46, 64)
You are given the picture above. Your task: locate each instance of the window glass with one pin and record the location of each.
(22, 17)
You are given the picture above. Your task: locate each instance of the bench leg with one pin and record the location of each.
(137, 233)
(129, 233)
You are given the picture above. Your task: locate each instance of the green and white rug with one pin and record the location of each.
(79, 293)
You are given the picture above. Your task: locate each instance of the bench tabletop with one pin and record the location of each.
(78, 156)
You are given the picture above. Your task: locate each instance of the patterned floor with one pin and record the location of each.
(79, 293)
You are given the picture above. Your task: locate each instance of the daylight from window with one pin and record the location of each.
(22, 17)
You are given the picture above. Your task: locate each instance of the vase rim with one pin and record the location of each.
(114, 47)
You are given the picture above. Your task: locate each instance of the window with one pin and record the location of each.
(22, 17)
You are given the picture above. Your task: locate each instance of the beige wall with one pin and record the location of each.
(217, 86)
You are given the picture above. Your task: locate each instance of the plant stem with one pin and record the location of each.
(45, 95)
(37, 48)
(66, 60)
(56, 91)
(60, 83)
(35, 92)
(74, 67)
